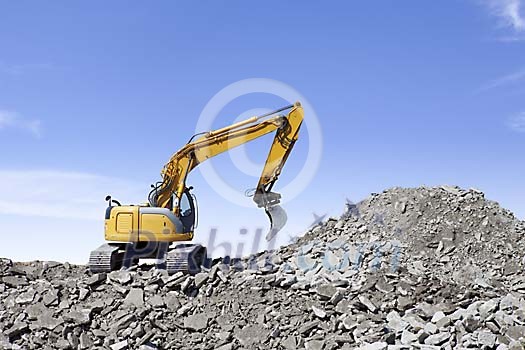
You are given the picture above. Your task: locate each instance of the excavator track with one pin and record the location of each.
(187, 258)
(105, 258)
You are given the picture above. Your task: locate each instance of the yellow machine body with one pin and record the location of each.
(128, 224)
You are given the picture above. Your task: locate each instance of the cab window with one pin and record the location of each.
(185, 205)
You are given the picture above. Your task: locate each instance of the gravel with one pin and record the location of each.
(417, 268)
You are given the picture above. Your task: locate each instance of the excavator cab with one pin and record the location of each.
(187, 211)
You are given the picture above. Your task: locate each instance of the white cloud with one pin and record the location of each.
(505, 80)
(510, 12)
(61, 194)
(10, 119)
(517, 122)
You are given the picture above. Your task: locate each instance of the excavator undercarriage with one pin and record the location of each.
(187, 258)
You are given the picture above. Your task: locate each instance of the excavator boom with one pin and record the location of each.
(216, 142)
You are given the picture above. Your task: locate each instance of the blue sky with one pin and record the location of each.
(96, 96)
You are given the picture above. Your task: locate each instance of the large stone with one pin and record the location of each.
(515, 332)
(172, 302)
(438, 339)
(122, 345)
(121, 277)
(395, 322)
(307, 327)
(15, 281)
(314, 345)
(251, 335)
(200, 279)
(488, 308)
(85, 341)
(368, 303)
(408, 337)
(228, 346)
(156, 301)
(318, 312)
(16, 329)
(486, 339)
(135, 297)
(50, 297)
(26, 297)
(197, 322)
(96, 279)
(374, 346)
(289, 343)
(47, 321)
(326, 291)
(78, 317)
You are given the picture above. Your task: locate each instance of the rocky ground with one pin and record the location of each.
(424, 268)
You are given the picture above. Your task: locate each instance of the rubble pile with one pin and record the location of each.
(423, 268)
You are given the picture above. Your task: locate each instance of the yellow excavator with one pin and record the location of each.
(148, 230)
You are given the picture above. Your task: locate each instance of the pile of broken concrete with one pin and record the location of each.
(422, 268)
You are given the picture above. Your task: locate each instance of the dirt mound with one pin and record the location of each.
(424, 268)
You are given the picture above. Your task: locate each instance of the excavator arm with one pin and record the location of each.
(210, 144)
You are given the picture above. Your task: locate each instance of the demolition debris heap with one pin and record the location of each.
(423, 268)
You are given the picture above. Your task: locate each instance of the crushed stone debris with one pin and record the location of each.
(409, 268)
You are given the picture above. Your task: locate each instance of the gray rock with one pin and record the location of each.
(488, 308)
(122, 323)
(431, 328)
(148, 347)
(318, 312)
(135, 297)
(228, 346)
(26, 297)
(156, 301)
(408, 337)
(487, 339)
(197, 322)
(384, 287)
(96, 279)
(50, 297)
(85, 341)
(395, 321)
(251, 335)
(16, 329)
(314, 344)
(15, 281)
(425, 268)
(47, 321)
(289, 343)
(350, 323)
(438, 339)
(78, 317)
(308, 326)
(120, 345)
(200, 279)
(326, 291)
(374, 346)
(368, 303)
(515, 332)
(121, 277)
(172, 302)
